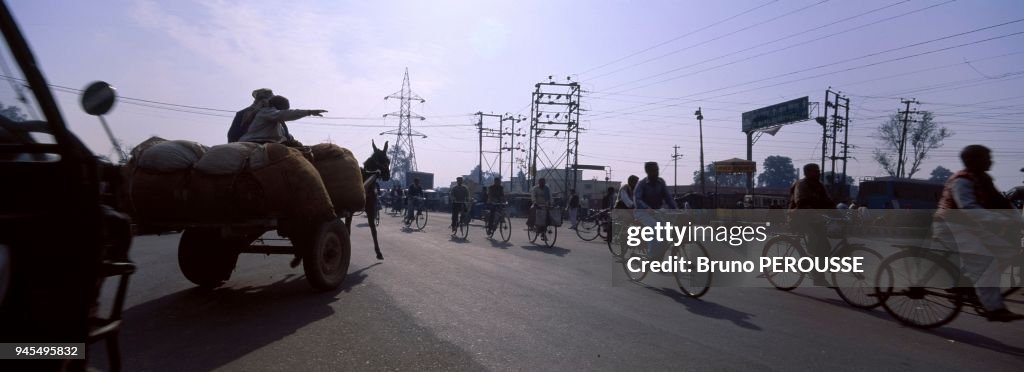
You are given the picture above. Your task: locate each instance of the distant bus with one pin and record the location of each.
(896, 193)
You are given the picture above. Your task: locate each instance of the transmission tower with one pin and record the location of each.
(403, 153)
(835, 142)
(555, 117)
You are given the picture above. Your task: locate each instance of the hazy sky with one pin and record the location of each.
(645, 67)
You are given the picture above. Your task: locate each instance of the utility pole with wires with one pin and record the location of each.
(488, 133)
(511, 147)
(403, 151)
(554, 113)
(675, 166)
(901, 162)
(836, 124)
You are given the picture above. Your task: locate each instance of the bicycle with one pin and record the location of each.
(462, 230)
(501, 222)
(593, 225)
(416, 213)
(551, 222)
(614, 237)
(932, 292)
(854, 288)
(691, 283)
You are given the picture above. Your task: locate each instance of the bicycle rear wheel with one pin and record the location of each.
(505, 228)
(421, 219)
(692, 283)
(531, 233)
(919, 289)
(615, 244)
(782, 246)
(588, 229)
(857, 289)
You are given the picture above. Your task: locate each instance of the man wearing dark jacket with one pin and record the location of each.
(244, 117)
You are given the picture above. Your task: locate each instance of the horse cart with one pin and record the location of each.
(225, 200)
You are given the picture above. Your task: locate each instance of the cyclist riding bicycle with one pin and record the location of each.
(809, 193)
(652, 193)
(540, 195)
(970, 212)
(495, 200)
(415, 191)
(460, 200)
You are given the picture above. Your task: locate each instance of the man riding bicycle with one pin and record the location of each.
(460, 200)
(540, 195)
(810, 193)
(415, 191)
(968, 211)
(495, 200)
(652, 193)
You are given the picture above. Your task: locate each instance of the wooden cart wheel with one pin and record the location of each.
(326, 257)
(205, 258)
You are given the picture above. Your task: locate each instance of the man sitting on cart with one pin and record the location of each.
(268, 126)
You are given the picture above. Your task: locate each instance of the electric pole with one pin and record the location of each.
(403, 142)
(901, 163)
(489, 133)
(700, 123)
(555, 111)
(675, 166)
(836, 124)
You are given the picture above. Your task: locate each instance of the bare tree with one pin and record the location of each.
(923, 135)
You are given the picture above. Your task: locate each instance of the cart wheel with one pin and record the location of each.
(205, 258)
(326, 259)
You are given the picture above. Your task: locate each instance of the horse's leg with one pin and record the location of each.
(371, 215)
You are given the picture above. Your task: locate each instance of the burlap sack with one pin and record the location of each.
(157, 197)
(168, 156)
(292, 185)
(340, 173)
(226, 159)
(226, 198)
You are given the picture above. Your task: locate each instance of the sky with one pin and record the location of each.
(644, 67)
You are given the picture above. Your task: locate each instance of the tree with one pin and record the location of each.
(474, 175)
(726, 180)
(11, 112)
(940, 174)
(923, 135)
(778, 172)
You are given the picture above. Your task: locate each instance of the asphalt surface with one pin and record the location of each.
(436, 303)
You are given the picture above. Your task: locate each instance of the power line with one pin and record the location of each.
(709, 40)
(679, 37)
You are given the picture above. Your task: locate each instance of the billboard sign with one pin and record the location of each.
(778, 114)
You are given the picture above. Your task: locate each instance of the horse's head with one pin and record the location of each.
(379, 162)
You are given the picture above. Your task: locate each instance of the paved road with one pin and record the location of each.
(436, 303)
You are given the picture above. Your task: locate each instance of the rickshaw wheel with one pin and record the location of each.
(205, 258)
(326, 257)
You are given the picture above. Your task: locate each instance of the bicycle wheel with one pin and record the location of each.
(588, 229)
(421, 219)
(857, 289)
(918, 289)
(783, 246)
(1012, 278)
(463, 230)
(692, 283)
(531, 233)
(552, 236)
(505, 228)
(639, 251)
